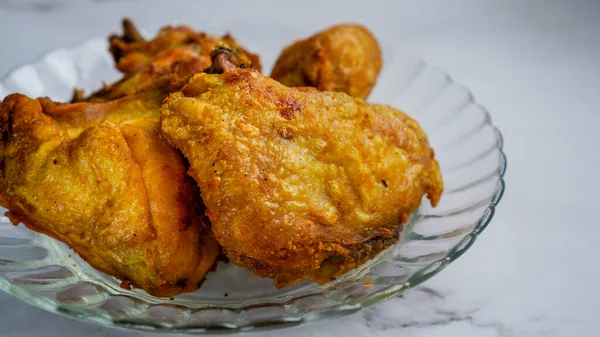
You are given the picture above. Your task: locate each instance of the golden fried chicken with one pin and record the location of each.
(343, 58)
(177, 51)
(98, 177)
(299, 184)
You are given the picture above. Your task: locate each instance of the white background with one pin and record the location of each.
(534, 64)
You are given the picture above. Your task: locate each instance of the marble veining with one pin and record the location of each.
(533, 64)
(435, 313)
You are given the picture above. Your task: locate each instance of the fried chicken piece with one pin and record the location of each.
(343, 58)
(179, 51)
(299, 184)
(98, 177)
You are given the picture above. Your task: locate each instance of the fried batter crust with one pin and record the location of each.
(299, 184)
(98, 177)
(176, 50)
(343, 58)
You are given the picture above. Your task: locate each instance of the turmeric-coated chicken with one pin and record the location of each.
(343, 58)
(98, 177)
(177, 51)
(299, 184)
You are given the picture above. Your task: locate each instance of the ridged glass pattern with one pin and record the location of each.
(46, 273)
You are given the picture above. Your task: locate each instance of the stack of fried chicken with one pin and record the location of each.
(194, 153)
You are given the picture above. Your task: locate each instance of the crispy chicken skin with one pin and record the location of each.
(175, 50)
(299, 184)
(98, 177)
(343, 58)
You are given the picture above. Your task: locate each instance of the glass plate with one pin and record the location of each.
(46, 273)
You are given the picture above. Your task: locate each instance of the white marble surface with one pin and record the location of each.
(534, 64)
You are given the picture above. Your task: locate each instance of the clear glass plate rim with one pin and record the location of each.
(341, 310)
